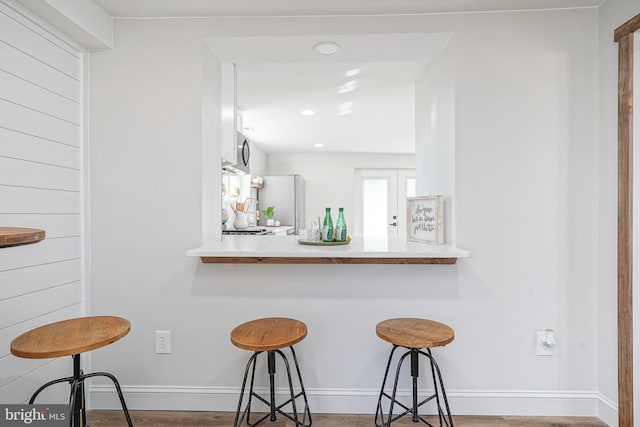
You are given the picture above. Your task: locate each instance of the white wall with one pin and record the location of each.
(526, 162)
(435, 134)
(41, 186)
(330, 178)
(210, 159)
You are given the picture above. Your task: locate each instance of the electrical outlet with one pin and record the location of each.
(163, 342)
(545, 342)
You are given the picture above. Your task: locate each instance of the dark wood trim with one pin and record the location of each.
(14, 236)
(322, 260)
(624, 35)
(629, 27)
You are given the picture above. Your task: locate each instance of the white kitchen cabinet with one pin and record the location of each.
(228, 122)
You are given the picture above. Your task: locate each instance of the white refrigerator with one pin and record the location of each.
(286, 194)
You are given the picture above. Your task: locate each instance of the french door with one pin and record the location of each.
(381, 201)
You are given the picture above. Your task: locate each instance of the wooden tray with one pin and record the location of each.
(319, 243)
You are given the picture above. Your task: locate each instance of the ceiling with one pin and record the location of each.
(166, 8)
(279, 77)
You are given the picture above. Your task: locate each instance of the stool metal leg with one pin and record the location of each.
(252, 362)
(118, 391)
(77, 404)
(444, 393)
(50, 383)
(74, 419)
(380, 420)
(274, 409)
(77, 397)
(306, 413)
(379, 411)
(271, 367)
(414, 378)
(391, 418)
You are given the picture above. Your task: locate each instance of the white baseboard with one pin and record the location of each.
(364, 401)
(607, 411)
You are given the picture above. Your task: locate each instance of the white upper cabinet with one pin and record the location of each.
(229, 115)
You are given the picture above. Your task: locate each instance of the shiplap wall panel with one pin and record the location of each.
(38, 44)
(22, 119)
(16, 367)
(38, 73)
(20, 390)
(25, 93)
(22, 173)
(37, 278)
(47, 251)
(29, 306)
(9, 333)
(55, 225)
(16, 145)
(15, 200)
(41, 173)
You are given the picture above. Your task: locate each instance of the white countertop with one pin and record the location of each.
(359, 247)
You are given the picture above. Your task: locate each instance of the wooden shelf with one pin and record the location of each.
(14, 236)
(322, 260)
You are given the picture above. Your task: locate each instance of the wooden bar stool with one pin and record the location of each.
(71, 338)
(271, 335)
(414, 335)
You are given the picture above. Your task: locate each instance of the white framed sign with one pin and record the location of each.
(424, 219)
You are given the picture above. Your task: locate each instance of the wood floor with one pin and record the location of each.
(102, 418)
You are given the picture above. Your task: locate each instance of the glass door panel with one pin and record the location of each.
(381, 196)
(375, 206)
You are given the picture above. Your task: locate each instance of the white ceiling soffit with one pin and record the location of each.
(363, 98)
(169, 8)
(416, 47)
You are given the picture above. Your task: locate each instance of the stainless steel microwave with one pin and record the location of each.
(243, 153)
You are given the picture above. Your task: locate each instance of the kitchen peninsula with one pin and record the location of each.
(361, 250)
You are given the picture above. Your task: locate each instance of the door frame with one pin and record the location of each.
(624, 36)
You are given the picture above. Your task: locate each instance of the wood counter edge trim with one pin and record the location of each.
(16, 236)
(322, 260)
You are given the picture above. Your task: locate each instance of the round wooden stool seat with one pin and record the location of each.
(271, 333)
(415, 333)
(70, 337)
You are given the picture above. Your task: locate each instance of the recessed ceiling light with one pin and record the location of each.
(351, 73)
(327, 48)
(307, 112)
(349, 86)
(318, 145)
(345, 108)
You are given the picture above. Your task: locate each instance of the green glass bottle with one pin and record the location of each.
(327, 227)
(341, 227)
